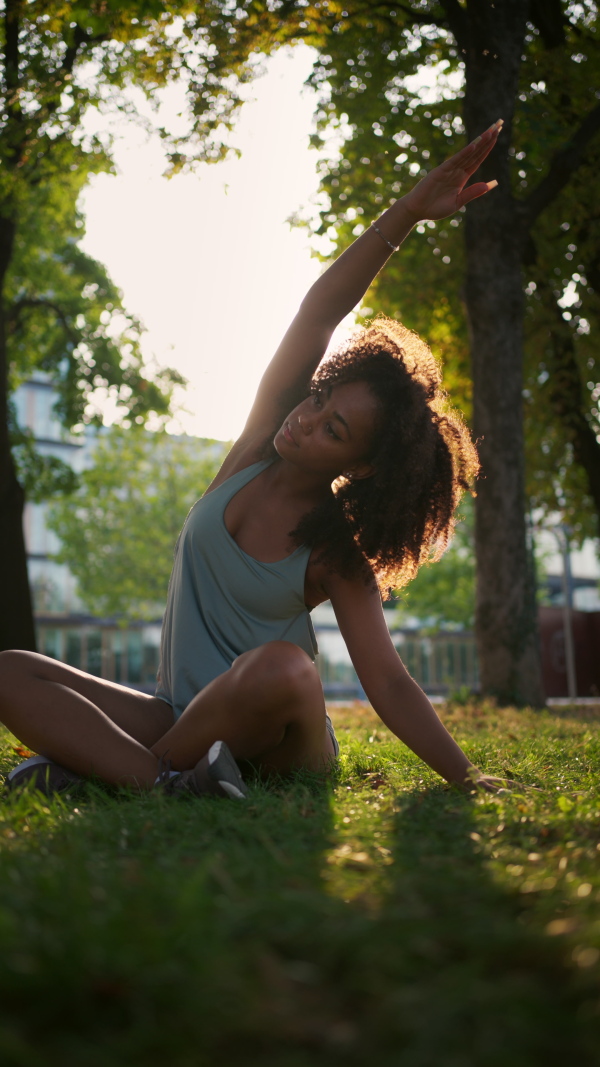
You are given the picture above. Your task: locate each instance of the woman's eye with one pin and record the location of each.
(317, 400)
(331, 431)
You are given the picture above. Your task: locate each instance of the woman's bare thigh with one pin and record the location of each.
(145, 718)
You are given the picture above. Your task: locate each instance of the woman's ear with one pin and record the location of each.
(360, 471)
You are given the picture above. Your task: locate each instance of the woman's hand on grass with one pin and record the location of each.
(442, 192)
(490, 784)
(476, 780)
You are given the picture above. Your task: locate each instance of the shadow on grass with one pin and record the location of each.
(474, 983)
(145, 931)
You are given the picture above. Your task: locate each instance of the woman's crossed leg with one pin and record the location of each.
(268, 708)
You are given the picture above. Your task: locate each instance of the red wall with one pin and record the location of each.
(586, 637)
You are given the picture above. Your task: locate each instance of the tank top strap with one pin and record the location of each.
(237, 481)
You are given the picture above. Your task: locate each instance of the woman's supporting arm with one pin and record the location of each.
(440, 193)
(398, 700)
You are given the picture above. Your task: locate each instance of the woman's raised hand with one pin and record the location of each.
(442, 192)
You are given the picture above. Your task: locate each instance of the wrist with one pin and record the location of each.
(412, 214)
(464, 775)
(396, 223)
(469, 778)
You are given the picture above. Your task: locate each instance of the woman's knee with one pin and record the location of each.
(281, 669)
(15, 664)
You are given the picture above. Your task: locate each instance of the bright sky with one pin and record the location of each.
(208, 261)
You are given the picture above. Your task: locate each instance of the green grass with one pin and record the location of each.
(380, 918)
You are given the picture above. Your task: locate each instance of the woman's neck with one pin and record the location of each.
(292, 482)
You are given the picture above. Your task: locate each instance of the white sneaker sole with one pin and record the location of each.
(219, 753)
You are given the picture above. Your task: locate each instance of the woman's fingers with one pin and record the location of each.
(472, 155)
(473, 191)
(482, 144)
(442, 192)
(468, 160)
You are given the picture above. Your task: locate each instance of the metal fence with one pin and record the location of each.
(120, 654)
(440, 663)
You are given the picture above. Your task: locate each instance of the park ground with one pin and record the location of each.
(378, 918)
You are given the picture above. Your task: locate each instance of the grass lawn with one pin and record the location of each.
(380, 918)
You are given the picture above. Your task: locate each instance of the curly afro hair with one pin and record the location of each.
(422, 454)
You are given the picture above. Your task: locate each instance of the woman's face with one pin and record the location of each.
(331, 432)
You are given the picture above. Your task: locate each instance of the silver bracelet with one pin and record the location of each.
(394, 248)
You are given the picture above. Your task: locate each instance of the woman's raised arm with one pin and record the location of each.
(440, 193)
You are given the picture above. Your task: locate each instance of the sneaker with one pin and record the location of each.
(216, 774)
(43, 774)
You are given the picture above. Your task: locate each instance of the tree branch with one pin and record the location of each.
(562, 165)
(550, 19)
(420, 17)
(50, 101)
(11, 75)
(79, 36)
(66, 69)
(14, 314)
(456, 18)
(11, 51)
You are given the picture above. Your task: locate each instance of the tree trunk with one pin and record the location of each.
(16, 615)
(506, 625)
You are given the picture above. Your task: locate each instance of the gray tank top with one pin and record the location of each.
(222, 602)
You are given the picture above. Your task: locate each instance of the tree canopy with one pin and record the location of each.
(64, 316)
(59, 311)
(443, 593)
(119, 529)
(62, 312)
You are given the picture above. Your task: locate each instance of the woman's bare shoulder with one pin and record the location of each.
(350, 593)
(353, 593)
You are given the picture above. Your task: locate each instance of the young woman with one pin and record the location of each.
(344, 480)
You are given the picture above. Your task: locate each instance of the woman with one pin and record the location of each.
(269, 541)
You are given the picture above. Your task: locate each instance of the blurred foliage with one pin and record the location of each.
(64, 317)
(120, 527)
(444, 592)
(41, 475)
